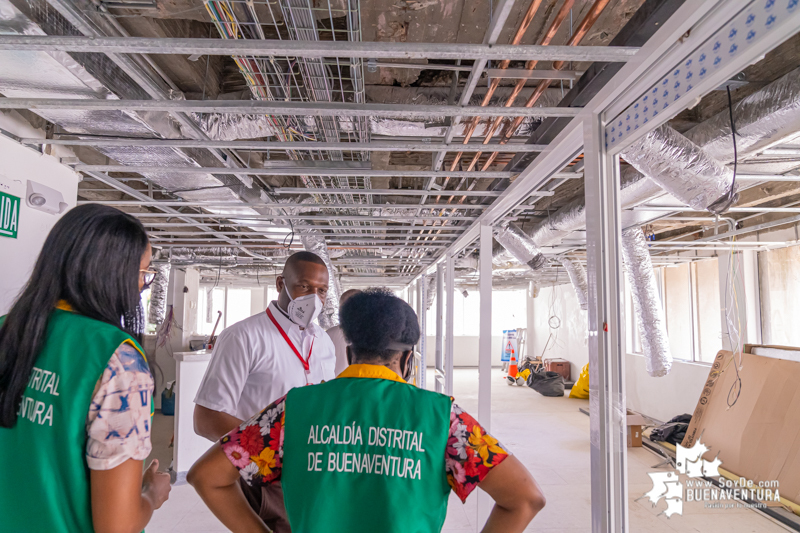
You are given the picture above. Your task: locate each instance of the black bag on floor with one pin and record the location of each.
(547, 383)
(673, 431)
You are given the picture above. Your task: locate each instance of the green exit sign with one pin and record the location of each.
(9, 215)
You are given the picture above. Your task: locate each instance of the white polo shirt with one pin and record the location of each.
(252, 365)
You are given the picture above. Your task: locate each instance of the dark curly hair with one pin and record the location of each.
(372, 319)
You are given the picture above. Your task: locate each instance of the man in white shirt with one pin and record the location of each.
(337, 336)
(258, 360)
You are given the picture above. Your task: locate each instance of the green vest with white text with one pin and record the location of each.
(45, 478)
(365, 455)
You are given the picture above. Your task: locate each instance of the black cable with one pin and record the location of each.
(732, 190)
(736, 388)
(219, 271)
(290, 236)
(202, 188)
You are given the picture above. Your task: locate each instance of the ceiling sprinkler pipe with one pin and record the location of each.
(520, 245)
(650, 320)
(577, 275)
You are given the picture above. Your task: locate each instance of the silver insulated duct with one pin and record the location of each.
(314, 242)
(650, 319)
(683, 169)
(520, 245)
(158, 294)
(577, 275)
(430, 290)
(763, 118)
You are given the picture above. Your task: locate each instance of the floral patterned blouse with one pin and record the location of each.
(256, 449)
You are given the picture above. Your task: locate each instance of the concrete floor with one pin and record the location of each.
(550, 436)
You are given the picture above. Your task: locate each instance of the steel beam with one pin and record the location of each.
(177, 214)
(292, 171)
(272, 107)
(524, 74)
(288, 217)
(264, 146)
(207, 205)
(380, 192)
(683, 209)
(287, 229)
(312, 49)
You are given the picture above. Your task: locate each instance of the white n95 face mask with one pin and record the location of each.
(303, 310)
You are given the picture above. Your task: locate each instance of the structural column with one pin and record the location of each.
(485, 354)
(450, 287)
(439, 326)
(609, 479)
(422, 299)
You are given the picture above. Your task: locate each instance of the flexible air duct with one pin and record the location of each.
(158, 294)
(761, 119)
(683, 169)
(577, 275)
(430, 290)
(314, 241)
(646, 303)
(520, 245)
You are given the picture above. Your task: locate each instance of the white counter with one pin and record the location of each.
(188, 446)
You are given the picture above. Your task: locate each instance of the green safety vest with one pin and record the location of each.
(45, 478)
(365, 455)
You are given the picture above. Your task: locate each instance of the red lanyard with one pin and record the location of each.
(304, 362)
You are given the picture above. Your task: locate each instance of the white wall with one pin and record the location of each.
(465, 351)
(665, 397)
(569, 339)
(19, 164)
(660, 398)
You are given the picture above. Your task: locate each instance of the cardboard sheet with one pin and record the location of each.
(759, 436)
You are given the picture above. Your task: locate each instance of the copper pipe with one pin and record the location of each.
(470, 130)
(583, 28)
(561, 16)
(587, 22)
(520, 33)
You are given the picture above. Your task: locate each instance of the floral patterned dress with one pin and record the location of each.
(256, 449)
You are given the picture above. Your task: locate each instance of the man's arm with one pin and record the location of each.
(213, 424)
(516, 494)
(219, 393)
(216, 480)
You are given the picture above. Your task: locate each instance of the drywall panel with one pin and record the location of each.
(19, 165)
(664, 397)
(465, 351)
(558, 328)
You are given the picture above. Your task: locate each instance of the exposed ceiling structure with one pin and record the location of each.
(341, 137)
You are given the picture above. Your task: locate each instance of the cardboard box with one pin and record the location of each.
(635, 423)
(558, 365)
(753, 425)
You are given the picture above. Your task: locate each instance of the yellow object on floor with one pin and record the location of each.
(581, 387)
